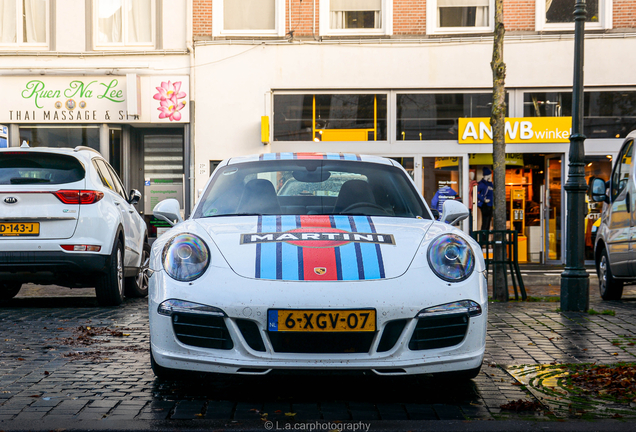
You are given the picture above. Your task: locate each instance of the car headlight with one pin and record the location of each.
(185, 257)
(451, 258)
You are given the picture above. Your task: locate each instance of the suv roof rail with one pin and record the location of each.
(79, 148)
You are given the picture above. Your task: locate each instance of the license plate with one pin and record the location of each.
(19, 229)
(295, 320)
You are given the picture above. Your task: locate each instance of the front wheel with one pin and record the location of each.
(8, 290)
(110, 285)
(610, 288)
(137, 286)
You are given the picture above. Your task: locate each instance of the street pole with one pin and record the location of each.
(575, 281)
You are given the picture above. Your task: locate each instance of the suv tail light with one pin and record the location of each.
(79, 196)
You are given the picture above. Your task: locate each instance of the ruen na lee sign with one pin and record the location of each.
(518, 130)
(94, 99)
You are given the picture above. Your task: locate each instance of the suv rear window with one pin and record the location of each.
(31, 168)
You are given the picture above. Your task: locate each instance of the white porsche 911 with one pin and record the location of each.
(315, 262)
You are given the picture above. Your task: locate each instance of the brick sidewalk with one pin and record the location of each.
(49, 381)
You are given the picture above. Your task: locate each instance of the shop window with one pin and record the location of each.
(559, 14)
(62, 136)
(601, 167)
(607, 114)
(460, 16)
(359, 17)
(248, 18)
(434, 116)
(330, 117)
(441, 180)
(124, 23)
(24, 23)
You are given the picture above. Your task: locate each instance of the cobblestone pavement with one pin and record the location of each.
(66, 363)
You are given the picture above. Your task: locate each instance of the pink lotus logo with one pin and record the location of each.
(168, 96)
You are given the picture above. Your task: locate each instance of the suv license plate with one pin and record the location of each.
(295, 320)
(19, 229)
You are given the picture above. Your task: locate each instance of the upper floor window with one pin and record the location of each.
(248, 18)
(459, 16)
(124, 23)
(24, 23)
(356, 17)
(559, 14)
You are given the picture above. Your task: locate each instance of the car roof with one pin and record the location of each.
(307, 156)
(79, 150)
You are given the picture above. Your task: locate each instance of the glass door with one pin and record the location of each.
(553, 209)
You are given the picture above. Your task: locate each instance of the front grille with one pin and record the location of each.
(391, 334)
(201, 330)
(439, 331)
(321, 343)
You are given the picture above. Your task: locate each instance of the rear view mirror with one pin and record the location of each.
(169, 211)
(453, 212)
(597, 190)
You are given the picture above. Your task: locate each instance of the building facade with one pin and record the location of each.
(113, 75)
(411, 80)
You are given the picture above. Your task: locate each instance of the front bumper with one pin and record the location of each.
(388, 351)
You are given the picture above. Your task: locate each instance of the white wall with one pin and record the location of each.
(233, 83)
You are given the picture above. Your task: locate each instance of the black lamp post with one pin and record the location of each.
(575, 281)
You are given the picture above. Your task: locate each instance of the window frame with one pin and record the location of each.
(433, 29)
(124, 44)
(386, 16)
(604, 21)
(39, 46)
(218, 30)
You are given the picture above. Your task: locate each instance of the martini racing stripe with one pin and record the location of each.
(325, 156)
(299, 260)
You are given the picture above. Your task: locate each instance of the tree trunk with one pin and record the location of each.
(497, 121)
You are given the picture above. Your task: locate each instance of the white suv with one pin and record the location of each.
(66, 219)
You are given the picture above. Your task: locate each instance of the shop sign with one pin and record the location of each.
(518, 130)
(89, 99)
(158, 190)
(512, 159)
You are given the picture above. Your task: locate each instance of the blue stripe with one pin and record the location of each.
(369, 255)
(259, 228)
(350, 156)
(332, 156)
(378, 251)
(286, 156)
(279, 253)
(289, 253)
(348, 261)
(269, 156)
(359, 261)
(268, 250)
(336, 251)
(301, 264)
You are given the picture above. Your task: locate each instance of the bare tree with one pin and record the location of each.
(497, 121)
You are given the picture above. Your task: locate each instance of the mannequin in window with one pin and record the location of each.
(485, 198)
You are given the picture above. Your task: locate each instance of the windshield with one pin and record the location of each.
(311, 187)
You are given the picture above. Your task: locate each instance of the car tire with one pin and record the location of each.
(8, 290)
(110, 285)
(137, 286)
(610, 288)
(163, 372)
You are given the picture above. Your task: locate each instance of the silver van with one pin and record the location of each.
(615, 247)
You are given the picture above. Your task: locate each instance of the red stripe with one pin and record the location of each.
(310, 156)
(318, 258)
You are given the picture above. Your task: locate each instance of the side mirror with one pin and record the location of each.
(135, 196)
(597, 190)
(453, 212)
(168, 210)
(435, 213)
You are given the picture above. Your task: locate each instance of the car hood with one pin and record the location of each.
(317, 248)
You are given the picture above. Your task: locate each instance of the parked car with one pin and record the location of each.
(66, 219)
(365, 279)
(614, 249)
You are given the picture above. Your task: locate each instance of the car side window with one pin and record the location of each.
(104, 175)
(119, 187)
(621, 172)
